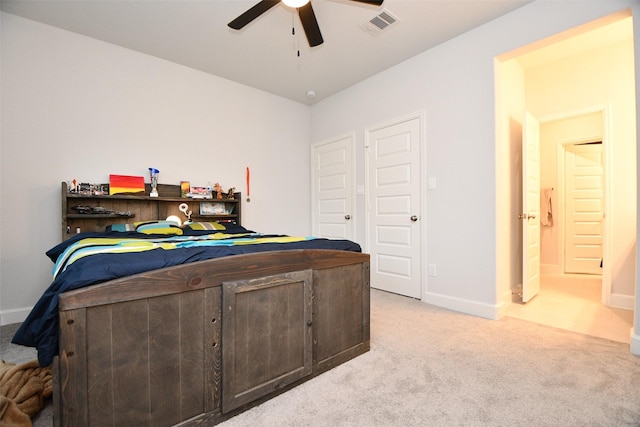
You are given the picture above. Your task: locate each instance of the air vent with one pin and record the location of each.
(380, 22)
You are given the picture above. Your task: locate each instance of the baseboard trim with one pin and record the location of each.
(634, 343)
(18, 315)
(474, 308)
(550, 269)
(627, 302)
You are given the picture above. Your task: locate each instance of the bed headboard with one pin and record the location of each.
(90, 212)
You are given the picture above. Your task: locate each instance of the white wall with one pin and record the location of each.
(75, 107)
(454, 85)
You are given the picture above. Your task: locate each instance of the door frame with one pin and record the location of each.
(605, 112)
(422, 185)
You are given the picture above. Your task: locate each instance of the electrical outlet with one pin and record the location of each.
(432, 270)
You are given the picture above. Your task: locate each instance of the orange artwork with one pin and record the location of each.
(126, 184)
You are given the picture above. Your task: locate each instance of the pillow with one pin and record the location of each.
(200, 228)
(121, 227)
(158, 227)
(204, 226)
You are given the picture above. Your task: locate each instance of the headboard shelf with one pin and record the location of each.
(130, 208)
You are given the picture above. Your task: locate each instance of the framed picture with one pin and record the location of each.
(200, 193)
(213, 208)
(185, 188)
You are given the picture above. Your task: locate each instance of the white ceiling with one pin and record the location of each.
(263, 55)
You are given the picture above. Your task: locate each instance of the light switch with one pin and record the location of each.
(431, 183)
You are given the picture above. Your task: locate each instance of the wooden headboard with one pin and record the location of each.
(103, 210)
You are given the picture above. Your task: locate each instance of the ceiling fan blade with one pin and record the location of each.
(310, 25)
(252, 13)
(372, 2)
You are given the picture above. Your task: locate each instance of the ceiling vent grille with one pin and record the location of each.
(380, 22)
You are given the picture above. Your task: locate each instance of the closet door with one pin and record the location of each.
(333, 189)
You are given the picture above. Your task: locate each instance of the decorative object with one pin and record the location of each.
(200, 193)
(153, 174)
(218, 189)
(126, 184)
(230, 192)
(185, 188)
(211, 208)
(175, 220)
(99, 189)
(184, 208)
(248, 176)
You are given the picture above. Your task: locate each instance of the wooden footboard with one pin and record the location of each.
(198, 343)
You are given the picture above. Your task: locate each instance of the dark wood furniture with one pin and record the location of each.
(196, 344)
(130, 208)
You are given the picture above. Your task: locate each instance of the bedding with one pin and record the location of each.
(91, 258)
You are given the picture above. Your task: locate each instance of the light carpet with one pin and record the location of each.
(434, 367)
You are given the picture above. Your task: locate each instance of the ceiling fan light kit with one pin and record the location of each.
(295, 3)
(305, 11)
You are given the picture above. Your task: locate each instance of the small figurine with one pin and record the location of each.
(218, 189)
(184, 208)
(230, 192)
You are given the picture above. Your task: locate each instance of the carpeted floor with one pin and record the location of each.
(18, 354)
(433, 367)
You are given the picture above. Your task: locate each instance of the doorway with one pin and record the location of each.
(583, 208)
(574, 181)
(576, 83)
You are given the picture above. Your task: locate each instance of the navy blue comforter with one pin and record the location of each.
(40, 329)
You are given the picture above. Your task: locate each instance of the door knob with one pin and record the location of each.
(414, 218)
(347, 217)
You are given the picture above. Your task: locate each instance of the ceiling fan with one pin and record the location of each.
(305, 11)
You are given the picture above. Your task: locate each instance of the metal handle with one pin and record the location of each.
(414, 218)
(347, 217)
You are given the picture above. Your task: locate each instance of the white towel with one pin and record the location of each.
(546, 215)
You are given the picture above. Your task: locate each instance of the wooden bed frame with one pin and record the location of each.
(199, 343)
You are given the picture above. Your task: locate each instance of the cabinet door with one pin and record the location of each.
(341, 315)
(266, 335)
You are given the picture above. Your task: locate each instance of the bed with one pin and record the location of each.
(207, 328)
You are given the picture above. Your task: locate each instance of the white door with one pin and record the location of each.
(530, 207)
(584, 203)
(332, 182)
(393, 182)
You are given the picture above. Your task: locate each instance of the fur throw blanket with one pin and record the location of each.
(23, 390)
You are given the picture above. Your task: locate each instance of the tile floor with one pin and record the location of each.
(573, 302)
